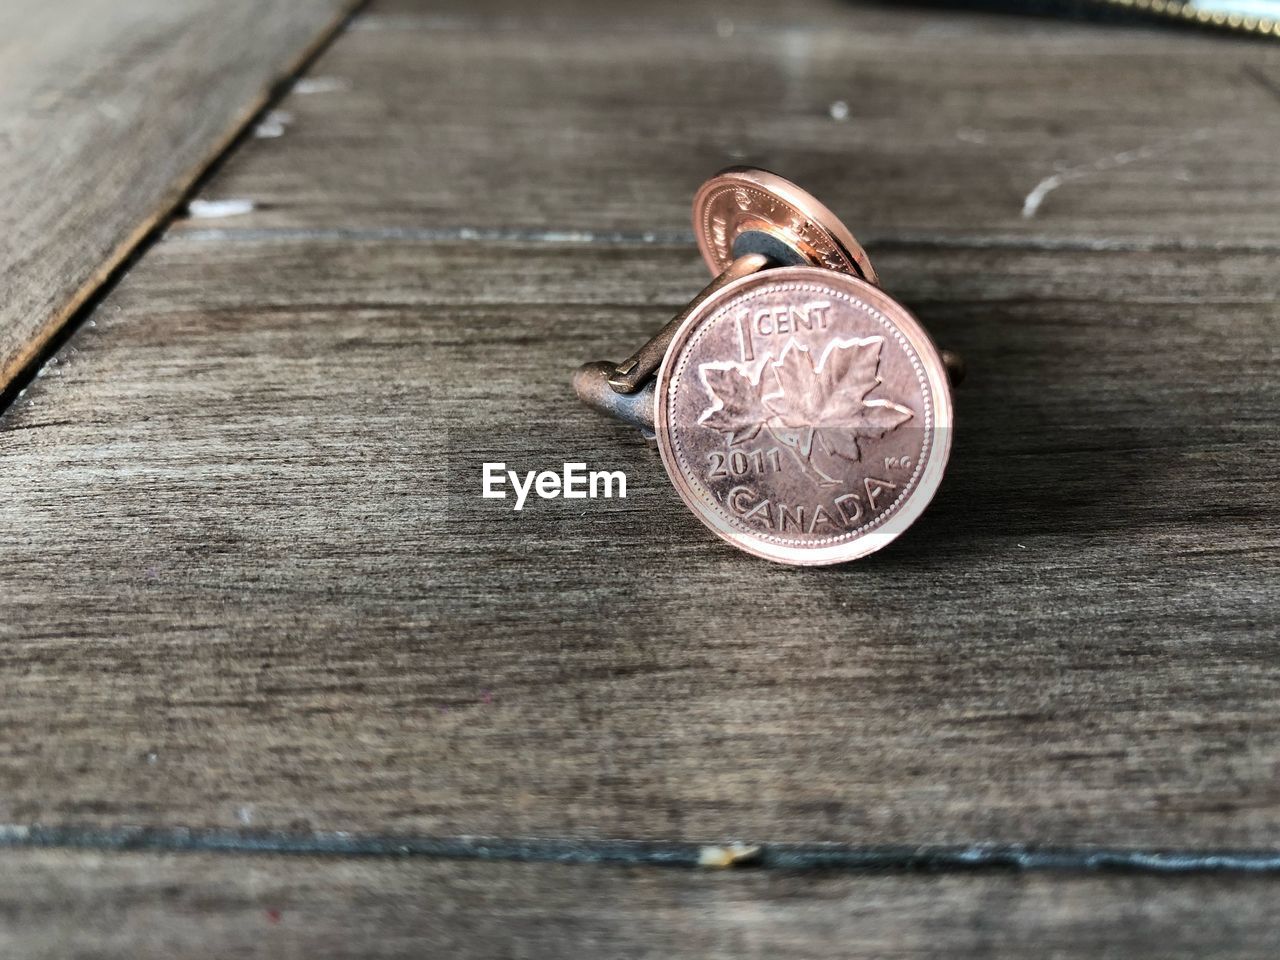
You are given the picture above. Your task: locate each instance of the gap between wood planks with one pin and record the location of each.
(660, 853)
(685, 238)
(147, 234)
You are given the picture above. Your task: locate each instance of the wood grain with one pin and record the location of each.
(494, 117)
(247, 582)
(108, 114)
(248, 573)
(57, 904)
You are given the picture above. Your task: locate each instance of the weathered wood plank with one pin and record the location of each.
(108, 113)
(247, 575)
(246, 578)
(496, 117)
(138, 906)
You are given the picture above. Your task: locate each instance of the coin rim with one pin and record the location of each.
(940, 446)
(794, 196)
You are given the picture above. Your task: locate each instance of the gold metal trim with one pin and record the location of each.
(1188, 12)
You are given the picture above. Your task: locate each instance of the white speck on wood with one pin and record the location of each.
(722, 856)
(1035, 199)
(1031, 206)
(321, 85)
(212, 209)
(273, 124)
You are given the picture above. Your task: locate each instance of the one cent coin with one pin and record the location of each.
(744, 210)
(804, 416)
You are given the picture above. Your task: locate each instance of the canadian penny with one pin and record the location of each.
(745, 210)
(804, 415)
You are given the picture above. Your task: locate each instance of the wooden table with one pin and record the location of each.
(275, 681)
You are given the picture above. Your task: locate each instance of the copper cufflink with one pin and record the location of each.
(801, 413)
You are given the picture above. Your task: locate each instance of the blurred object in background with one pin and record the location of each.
(1256, 17)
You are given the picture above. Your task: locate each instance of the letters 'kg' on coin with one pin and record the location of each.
(802, 413)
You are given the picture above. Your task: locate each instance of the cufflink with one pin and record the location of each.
(801, 413)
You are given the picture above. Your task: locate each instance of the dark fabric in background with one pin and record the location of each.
(1073, 9)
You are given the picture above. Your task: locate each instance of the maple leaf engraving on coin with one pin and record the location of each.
(738, 409)
(817, 410)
